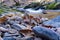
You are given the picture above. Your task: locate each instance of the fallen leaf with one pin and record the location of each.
(3, 19)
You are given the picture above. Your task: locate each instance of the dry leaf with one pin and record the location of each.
(3, 19)
(26, 31)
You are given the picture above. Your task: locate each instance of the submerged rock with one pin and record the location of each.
(46, 33)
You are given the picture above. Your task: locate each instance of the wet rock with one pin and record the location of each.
(46, 33)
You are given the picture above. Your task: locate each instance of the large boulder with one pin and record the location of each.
(45, 33)
(55, 22)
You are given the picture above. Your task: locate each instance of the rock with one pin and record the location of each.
(3, 29)
(15, 19)
(11, 33)
(46, 33)
(44, 19)
(7, 34)
(18, 19)
(10, 22)
(18, 27)
(55, 22)
(9, 38)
